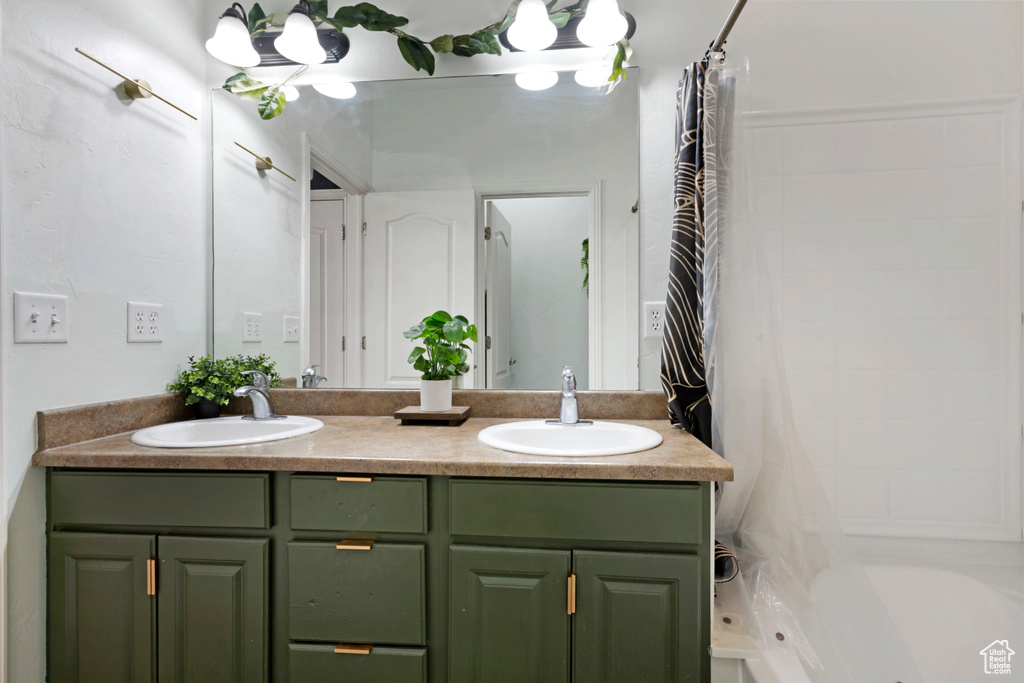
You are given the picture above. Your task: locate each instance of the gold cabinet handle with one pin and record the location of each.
(571, 606)
(354, 545)
(362, 479)
(353, 648)
(151, 577)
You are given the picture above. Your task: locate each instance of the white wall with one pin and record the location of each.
(104, 201)
(549, 305)
(258, 240)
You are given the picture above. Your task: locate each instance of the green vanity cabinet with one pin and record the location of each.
(282, 577)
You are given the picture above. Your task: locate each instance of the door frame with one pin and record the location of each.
(572, 188)
(353, 188)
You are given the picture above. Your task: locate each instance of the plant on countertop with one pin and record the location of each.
(444, 351)
(216, 379)
(415, 51)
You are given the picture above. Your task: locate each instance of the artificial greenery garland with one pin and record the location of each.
(416, 51)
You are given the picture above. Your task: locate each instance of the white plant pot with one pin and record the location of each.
(435, 394)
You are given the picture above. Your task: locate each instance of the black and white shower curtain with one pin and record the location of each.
(683, 362)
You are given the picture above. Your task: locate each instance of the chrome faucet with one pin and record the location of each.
(311, 380)
(259, 393)
(569, 413)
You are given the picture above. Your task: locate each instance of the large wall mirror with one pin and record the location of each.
(514, 208)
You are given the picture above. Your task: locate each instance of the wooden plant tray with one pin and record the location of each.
(414, 415)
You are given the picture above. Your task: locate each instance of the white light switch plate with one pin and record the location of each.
(145, 323)
(40, 318)
(252, 327)
(654, 319)
(291, 329)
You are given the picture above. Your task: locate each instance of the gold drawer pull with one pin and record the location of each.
(366, 480)
(151, 577)
(353, 648)
(354, 545)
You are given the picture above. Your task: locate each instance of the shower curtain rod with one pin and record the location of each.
(716, 46)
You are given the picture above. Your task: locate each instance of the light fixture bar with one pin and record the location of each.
(567, 39)
(137, 84)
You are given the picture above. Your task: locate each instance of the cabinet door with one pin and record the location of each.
(212, 600)
(509, 622)
(101, 618)
(637, 618)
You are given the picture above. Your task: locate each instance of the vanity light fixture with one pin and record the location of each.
(136, 88)
(264, 163)
(298, 41)
(231, 43)
(291, 93)
(603, 25)
(593, 78)
(536, 80)
(336, 89)
(532, 30)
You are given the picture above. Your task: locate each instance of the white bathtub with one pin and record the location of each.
(944, 618)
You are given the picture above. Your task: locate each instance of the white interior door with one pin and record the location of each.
(418, 258)
(327, 289)
(498, 254)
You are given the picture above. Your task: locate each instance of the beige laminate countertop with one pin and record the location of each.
(381, 445)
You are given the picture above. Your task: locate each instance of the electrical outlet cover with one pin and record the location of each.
(145, 323)
(654, 319)
(252, 327)
(291, 329)
(40, 318)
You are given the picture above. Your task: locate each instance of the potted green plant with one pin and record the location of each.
(210, 383)
(441, 357)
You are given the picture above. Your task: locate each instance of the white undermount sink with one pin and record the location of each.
(582, 440)
(224, 431)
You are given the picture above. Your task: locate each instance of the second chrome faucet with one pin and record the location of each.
(569, 413)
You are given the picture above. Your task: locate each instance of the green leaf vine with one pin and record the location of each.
(417, 52)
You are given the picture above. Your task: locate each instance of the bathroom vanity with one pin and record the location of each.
(369, 551)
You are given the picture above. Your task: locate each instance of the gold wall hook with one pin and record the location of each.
(135, 89)
(264, 163)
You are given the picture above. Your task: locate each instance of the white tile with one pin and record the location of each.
(914, 143)
(808, 345)
(970, 242)
(767, 151)
(807, 149)
(914, 395)
(807, 296)
(862, 493)
(970, 294)
(861, 295)
(914, 345)
(818, 439)
(860, 394)
(973, 140)
(915, 245)
(807, 199)
(861, 246)
(970, 394)
(914, 294)
(971, 445)
(860, 146)
(915, 495)
(860, 344)
(812, 393)
(974, 191)
(860, 443)
(916, 194)
(768, 200)
(970, 345)
(807, 248)
(915, 444)
(971, 497)
(861, 196)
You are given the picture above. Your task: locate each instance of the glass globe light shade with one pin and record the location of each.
(231, 44)
(339, 90)
(593, 78)
(536, 80)
(299, 42)
(603, 24)
(532, 30)
(291, 93)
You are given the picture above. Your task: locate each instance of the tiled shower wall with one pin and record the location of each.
(892, 240)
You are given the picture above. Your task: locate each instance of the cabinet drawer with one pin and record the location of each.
(385, 504)
(320, 664)
(162, 500)
(590, 511)
(357, 596)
